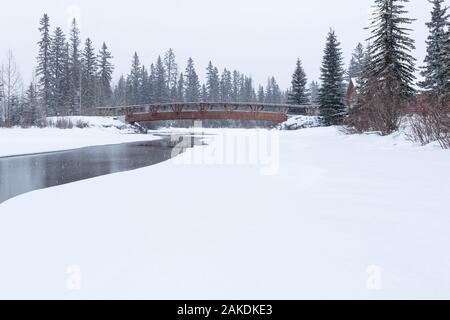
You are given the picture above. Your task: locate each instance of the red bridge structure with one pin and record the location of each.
(277, 113)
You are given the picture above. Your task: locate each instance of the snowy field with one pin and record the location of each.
(322, 215)
(101, 131)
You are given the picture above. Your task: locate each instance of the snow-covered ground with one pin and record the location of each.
(101, 131)
(336, 216)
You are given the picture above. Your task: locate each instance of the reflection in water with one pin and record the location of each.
(23, 174)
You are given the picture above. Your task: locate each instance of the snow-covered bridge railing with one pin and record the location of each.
(207, 111)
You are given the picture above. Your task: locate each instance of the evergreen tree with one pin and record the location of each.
(161, 90)
(192, 84)
(105, 71)
(299, 92)
(261, 94)
(356, 64)
(436, 72)
(313, 92)
(273, 92)
(212, 83)
(43, 68)
(331, 94)
(75, 69)
(180, 88)
(204, 93)
(89, 78)
(30, 112)
(57, 62)
(171, 68)
(226, 86)
(134, 82)
(392, 63)
(236, 86)
(120, 93)
(146, 86)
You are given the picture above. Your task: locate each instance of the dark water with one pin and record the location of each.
(22, 174)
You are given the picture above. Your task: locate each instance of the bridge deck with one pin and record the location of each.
(206, 111)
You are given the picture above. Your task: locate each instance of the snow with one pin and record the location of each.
(101, 131)
(340, 217)
(300, 122)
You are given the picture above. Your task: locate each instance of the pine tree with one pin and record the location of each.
(171, 68)
(387, 82)
(236, 86)
(89, 78)
(435, 73)
(161, 90)
(261, 94)
(43, 68)
(226, 86)
(356, 64)
(299, 92)
(30, 112)
(75, 69)
(57, 62)
(204, 93)
(331, 94)
(313, 92)
(192, 84)
(273, 92)
(212, 83)
(105, 71)
(134, 82)
(180, 88)
(120, 93)
(392, 62)
(146, 86)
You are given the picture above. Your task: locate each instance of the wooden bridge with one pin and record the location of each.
(207, 111)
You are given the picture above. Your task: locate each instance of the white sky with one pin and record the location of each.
(257, 37)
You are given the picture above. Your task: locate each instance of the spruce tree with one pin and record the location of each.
(146, 86)
(180, 88)
(134, 82)
(212, 83)
(171, 68)
(261, 94)
(57, 62)
(435, 71)
(236, 86)
(299, 92)
(161, 91)
(43, 68)
(331, 93)
(120, 93)
(314, 92)
(273, 92)
(192, 84)
(89, 78)
(391, 46)
(356, 63)
(226, 86)
(30, 112)
(105, 71)
(75, 68)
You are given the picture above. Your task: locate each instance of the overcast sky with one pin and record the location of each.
(258, 37)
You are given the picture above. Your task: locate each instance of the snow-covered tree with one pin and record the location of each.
(180, 88)
(331, 93)
(192, 84)
(30, 111)
(236, 86)
(436, 69)
(120, 93)
(299, 92)
(261, 94)
(273, 92)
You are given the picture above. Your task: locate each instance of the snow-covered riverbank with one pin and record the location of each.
(101, 131)
(338, 217)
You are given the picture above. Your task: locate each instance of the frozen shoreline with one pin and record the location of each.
(102, 131)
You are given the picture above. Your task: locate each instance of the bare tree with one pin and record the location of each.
(12, 87)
